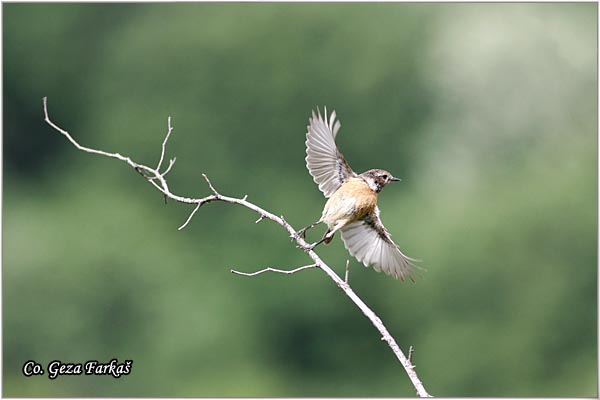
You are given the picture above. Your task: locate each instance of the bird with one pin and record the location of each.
(351, 207)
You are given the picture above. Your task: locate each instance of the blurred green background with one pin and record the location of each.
(488, 112)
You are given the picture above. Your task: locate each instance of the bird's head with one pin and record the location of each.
(378, 178)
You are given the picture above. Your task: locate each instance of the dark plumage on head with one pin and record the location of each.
(378, 178)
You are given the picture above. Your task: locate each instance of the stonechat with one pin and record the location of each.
(352, 201)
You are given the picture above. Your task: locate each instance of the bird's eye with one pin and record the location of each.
(385, 176)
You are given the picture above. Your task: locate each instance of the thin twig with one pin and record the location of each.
(346, 276)
(164, 145)
(156, 179)
(80, 147)
(171, 163)
(269, 269)
(187, 221)
(211, 186)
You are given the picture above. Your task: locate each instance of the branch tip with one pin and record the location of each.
(280, 271)
(187, 221)
(210, 185)
(346, 276)
(164, 146)
(171, 163)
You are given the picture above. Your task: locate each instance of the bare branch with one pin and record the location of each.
(164, 145)
(187, 221)
(80, 147)
(346, 276)
(171, 163)
(280, 271)
(211, 186)
(259, 219)
(156, 179)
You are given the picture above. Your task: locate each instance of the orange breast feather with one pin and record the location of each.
(352, 201)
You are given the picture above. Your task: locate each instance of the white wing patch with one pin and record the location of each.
(371, 244)
(325, 163)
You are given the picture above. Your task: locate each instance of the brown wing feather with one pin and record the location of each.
(324, 161)
(372, 244)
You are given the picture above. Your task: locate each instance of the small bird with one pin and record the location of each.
(352, 204)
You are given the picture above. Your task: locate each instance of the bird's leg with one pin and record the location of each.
(327, 237)
(312, 246)
(302, 232)
(325, 240)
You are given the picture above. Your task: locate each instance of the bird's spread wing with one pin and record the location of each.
(325, 163)
(372, 244)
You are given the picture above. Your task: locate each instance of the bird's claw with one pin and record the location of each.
(308, 247)
(302, 233)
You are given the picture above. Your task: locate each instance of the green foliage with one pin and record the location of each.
(486, 111)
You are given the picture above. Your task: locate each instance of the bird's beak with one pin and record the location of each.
(395, 179)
